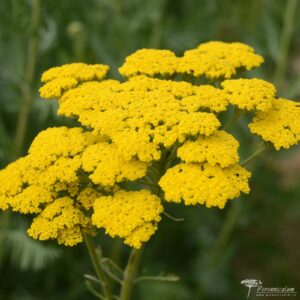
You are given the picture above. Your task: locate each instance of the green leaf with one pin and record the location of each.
(28, 254)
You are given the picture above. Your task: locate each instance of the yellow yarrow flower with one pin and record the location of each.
(204, 184)
(129, 215)
(150, 62)
(47, 147)
(31, 199)
(178, 89)
(212, 60)
(219, 148)
(107, 166)
(218, 59)
(142, 114)
(145, 132)
(205, 97)
(279, 125)
(79, 71)
(249, 94)
(55, 219)
(60, 79)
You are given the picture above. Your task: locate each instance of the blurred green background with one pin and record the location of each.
(212, 250)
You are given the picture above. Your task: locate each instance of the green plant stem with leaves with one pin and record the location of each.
(130, 273)
(96, 259)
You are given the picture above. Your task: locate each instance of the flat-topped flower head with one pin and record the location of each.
(150, 62)
(60, 79)
(205, 97)
(279, 125)
(142, 114)
(129, 215)
(204, 184)
(249, 94)
(142, 142)
(48, 146)
(106, 165)
(219, 148)
(31, 199)
(218, 60)
(60, 220)
(79, 71)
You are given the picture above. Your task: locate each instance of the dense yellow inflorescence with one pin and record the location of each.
(204, 184)
(141, 114)
(107, 166)
(60, 79)
(219, 60)
(150, 62)
(212, 60)
(279, 125)
(219, 148)
(57, 220)
(249, 94)
(142, 141)
(141, 209)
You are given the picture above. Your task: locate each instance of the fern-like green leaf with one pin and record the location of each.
(28, 254)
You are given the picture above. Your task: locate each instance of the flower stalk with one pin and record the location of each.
(95, 258)
(254, 155)
(130, 273)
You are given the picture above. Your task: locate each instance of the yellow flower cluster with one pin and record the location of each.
(107, 166)
(212, 60)
(249, 94)
(140, 209)
(219, 148)
(141, 114)
(204, 184)
(151, 62)
(60, 79)
(219, 59)
(77, 179)
(60, 220)
(279, 125)
(36, 182)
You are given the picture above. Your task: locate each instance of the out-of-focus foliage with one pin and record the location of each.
(212, 250)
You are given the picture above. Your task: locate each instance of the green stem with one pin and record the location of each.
(173, 218)
(157, 278)
(27, 94)
(4, 225)
(130, 273)
(288, 21)
(228, 226)
(222, 239)
(254, 155)
(95, 258)
(157, 27)
(225, 233)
